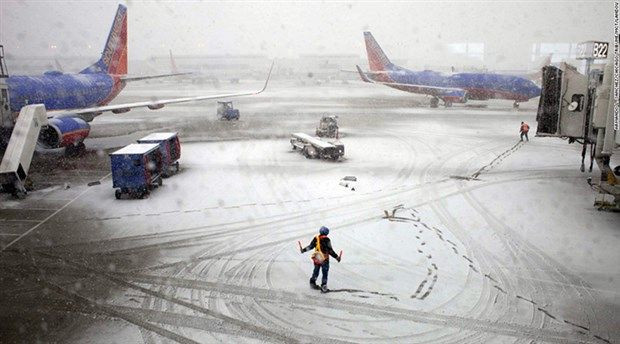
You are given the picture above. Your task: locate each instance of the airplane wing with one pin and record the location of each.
(153, 104)
(424, 89)
(146, 77)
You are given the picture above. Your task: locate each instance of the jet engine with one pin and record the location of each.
(454, 96)
(64, 132)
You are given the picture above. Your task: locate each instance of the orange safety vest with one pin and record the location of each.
(318, 257)
(525, 128)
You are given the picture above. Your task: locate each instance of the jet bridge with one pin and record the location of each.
(18, 155)
(583, 109)
(6, 117)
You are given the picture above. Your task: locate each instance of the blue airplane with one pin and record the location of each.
(454, 88)
(74, 100)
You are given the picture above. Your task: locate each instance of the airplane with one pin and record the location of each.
(454, 88)
(74, 100)
(58, 65)
(534, 74)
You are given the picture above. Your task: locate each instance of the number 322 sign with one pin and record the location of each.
(592, 50)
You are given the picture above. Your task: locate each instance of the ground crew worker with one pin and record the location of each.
(524, 129)
(323, 249)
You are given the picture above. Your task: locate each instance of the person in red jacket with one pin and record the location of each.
(322, 250)
(524, 129)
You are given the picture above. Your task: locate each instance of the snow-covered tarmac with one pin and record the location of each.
(518, 255)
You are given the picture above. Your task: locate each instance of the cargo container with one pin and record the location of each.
(170, 148)
(136, 169)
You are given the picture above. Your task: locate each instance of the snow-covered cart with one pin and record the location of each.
(170, 148)
(136, 169)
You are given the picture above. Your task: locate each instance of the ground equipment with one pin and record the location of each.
(136, 169)
(170, 148)
(314, 147)
(328, 127)
(225, 111)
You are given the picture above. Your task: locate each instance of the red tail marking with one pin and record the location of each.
(377, 60)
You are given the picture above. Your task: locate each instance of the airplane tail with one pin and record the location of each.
(536, 75)
(377, 60)
(58, 65)
(545, 62)
(114, 56)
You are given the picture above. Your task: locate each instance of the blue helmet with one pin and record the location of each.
(324, 230)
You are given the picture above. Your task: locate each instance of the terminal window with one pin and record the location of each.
(473, 50)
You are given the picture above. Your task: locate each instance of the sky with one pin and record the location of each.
(412, 30)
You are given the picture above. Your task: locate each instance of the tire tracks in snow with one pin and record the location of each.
(510, 243)
(107, 277)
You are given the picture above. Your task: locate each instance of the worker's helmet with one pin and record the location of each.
(324, 230)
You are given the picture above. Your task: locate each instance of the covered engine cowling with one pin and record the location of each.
(64, 132)
(454, 96)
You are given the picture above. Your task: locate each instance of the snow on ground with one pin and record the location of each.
(518, 255)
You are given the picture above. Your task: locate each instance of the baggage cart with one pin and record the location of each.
(136, 169)
(170, 148)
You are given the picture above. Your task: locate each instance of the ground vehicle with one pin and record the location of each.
(170, 149)
(349, 182)
(313, 147)
(328, 127)
(136, 169)
(226, 111)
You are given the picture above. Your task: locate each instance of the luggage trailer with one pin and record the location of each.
(170, 148)
(313, 147)
(136, 169)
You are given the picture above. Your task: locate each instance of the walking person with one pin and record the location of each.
(322, 250)
(524, 129)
